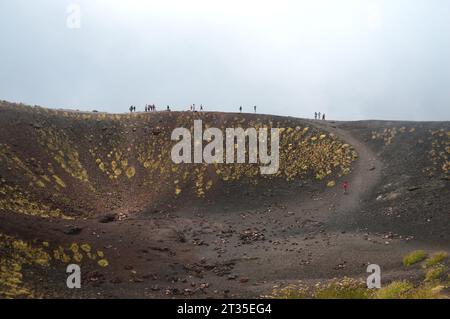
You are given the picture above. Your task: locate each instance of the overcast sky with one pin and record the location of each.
(351, 59)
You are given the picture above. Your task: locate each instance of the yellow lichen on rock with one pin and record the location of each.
(19, 257)
(131, 171)
(64, 152)
(103, 263)
(14, 200)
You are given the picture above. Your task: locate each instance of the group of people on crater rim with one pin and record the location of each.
(317, 116)
(193, 108)
(147, 108)
(240, 109)
(150, 108)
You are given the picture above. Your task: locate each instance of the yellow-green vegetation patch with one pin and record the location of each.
(131, 171)
(436, 259)
(115, 163)
(58, 144)
(177, 190)
(346, 288)
(428, 292)
(435, 282)
(406, 290)
(17, 255)
(387, 135)
(331, 184)
(414, 257)
(395, 290)
(13, 199)
(435, 273)
(26, 168)
(59, 181)
(103, 263)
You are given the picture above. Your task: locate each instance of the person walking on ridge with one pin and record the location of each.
(345, 186)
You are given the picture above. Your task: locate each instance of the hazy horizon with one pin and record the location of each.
(353, 60)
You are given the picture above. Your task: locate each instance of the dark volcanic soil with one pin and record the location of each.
(241, 238)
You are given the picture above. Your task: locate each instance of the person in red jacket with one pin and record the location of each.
(345, 186)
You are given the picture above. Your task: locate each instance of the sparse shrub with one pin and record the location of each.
(131, 171)
(435, 273)
(292, 292)
(414, 257)
(425, 292)
(395, 290)
(436, 259)
(347, 289)
(331, 184)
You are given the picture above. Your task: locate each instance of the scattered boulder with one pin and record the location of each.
(251, 235)
(181, 237)
(72, 230)
(231, 277)
(108, 218)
